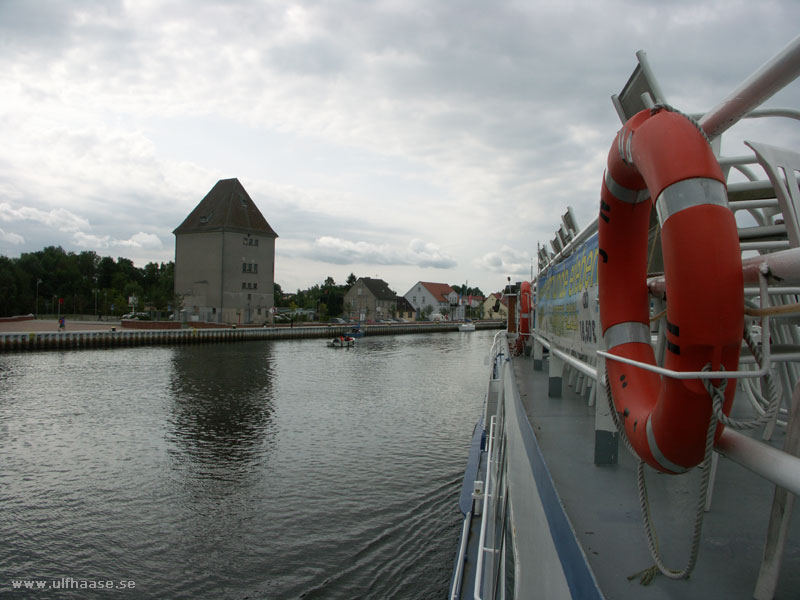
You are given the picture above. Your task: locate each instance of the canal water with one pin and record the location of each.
(271, 469)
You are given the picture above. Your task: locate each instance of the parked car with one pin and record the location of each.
(338, 320)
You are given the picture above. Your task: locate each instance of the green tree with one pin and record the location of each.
(84, 280)
(464, 290)
(9, 288)
(277, 294)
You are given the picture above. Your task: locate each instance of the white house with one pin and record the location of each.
(440, 297)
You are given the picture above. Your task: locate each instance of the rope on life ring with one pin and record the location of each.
(660, 154)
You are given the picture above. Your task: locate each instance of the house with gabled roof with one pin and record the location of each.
(225, 258)
(370, 299)
(404, 309)
(440, 297)
(495, 306)
(472, 305)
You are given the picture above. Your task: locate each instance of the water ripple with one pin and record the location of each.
(253, 470)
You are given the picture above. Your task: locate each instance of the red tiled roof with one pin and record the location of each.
(439, 291)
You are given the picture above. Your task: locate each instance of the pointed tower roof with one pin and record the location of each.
(227, 207)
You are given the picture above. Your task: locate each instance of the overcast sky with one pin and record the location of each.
(404, 139)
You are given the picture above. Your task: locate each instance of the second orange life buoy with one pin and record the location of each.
(524, 329)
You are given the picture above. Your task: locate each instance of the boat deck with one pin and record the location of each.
(603, 506)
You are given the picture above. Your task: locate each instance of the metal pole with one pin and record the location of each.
(761, 85)
(775, 465)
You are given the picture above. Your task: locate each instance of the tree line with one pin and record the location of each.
(54, 281)
(327, 300)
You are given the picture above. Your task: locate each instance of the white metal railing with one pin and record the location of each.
(495, 353)
(462, 551)
(772, 464)
(484, 514)
(573, 361)
(774, 75)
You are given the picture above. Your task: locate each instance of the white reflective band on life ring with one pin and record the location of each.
(625, 333)
(657, 454)
(624, 194)
(688, 193)
(624, 140)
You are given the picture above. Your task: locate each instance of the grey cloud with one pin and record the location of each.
(506, 261)
(417, 253)
(9, 237)
(317, 57)
(500, 105)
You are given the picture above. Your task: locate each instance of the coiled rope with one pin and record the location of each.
(772, 394)
(647, 575)
(717, 394)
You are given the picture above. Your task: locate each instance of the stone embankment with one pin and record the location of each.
(119, 337)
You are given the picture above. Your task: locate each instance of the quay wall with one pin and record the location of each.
(75, 340)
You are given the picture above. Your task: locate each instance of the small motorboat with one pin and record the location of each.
(342, 341)
(466, 326)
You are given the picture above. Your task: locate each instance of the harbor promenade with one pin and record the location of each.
(44, 334)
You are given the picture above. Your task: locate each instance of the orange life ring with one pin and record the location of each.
(524, 315)
(660, 154)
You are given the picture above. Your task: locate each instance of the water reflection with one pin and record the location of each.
(252, 470)
(221, 417)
